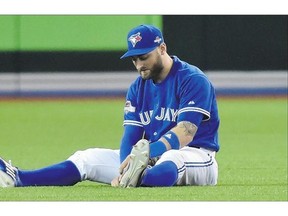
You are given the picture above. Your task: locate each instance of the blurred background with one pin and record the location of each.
(79, 55)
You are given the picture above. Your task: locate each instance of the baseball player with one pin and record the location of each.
(170, 129)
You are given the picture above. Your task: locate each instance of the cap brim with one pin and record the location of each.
(136, 52)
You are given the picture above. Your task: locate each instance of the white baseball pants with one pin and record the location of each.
(195, 166)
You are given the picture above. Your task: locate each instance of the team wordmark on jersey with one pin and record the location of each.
(166, 114)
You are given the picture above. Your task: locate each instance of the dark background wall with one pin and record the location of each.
(212, 42)
(229, 42)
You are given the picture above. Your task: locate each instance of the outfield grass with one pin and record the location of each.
(252, 160)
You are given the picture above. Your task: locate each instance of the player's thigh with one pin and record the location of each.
(195, 167)
(201, 168)
(97, 164)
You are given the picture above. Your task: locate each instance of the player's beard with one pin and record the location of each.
(154, 72)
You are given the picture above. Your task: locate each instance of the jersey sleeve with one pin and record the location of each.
(133, 128)
(131, 135)
(131, 115)
(195, 99)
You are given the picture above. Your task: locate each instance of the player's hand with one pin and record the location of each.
(115, 182)
(123, 167)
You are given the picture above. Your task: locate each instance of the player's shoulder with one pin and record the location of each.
(137, 82)
(185, 70)
(135, 85)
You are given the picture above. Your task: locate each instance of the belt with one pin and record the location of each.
(213, 153)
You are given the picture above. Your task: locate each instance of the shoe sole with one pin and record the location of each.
(139, 158)
(5, 180)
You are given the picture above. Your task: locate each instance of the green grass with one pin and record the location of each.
(252, 160)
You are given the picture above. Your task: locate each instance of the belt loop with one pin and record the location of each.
(213, 153)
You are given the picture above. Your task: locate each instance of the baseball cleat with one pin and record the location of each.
(139, 159)
(8, 174)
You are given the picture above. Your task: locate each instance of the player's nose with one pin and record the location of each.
(139, 65)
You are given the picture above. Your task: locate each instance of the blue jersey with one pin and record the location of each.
(185, 93)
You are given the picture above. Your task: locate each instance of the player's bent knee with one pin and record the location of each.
(82, 158)
(96, 164)
(171, 155)
(88, 155)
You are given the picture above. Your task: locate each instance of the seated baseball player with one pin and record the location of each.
(170, 129)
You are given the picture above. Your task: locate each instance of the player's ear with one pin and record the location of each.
(163, 48)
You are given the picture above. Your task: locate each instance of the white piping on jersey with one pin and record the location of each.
(168, 114)
(130, 122)
(195, 109)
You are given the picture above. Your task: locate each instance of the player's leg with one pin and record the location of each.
(162, 175)
(201, 167)
(165, 172)
(96, 164)
(140, 173)
(92, 164)
(188, 166)
(60, 174)
(64, 173)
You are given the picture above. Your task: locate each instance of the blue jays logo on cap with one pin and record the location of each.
(143, 39)
(135, 38)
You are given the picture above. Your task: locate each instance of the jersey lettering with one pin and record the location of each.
(161, 115)
(166, 114)
(146, 120)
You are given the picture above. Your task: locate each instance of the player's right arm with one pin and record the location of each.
(133, 128)
(133, 132)
(131, 135)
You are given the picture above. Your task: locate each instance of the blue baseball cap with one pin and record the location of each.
(143, 39)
